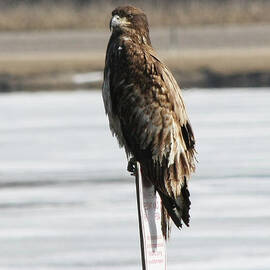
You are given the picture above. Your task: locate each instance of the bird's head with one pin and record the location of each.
(130, 20)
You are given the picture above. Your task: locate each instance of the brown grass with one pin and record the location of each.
(48, 71)
(50, 62)
(56, 15)
(223, 61)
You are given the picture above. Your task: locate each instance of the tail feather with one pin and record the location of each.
(176, 209)
(184, 203)
(172, 208)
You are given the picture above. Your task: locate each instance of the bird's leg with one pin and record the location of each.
(131, 167)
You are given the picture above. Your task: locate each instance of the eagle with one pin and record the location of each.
(147, 114)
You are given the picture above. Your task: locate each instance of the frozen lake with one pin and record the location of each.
(67, 202)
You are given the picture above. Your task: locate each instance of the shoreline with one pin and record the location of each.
(203, 78)
(198, 57)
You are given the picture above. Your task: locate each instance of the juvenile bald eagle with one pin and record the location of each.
(147, 114)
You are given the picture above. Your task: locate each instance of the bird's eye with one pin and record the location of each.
(130, 16)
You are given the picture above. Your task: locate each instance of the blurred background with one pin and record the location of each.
(66, 200)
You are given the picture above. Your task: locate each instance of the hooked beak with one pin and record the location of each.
(115, 21)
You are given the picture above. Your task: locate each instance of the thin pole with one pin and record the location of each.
(139, 195)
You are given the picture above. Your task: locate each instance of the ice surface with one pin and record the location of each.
(67, 202)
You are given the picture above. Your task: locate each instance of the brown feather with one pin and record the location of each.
(147, 114)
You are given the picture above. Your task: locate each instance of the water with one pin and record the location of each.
(67, 202)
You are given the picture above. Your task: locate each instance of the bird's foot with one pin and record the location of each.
(131, 167)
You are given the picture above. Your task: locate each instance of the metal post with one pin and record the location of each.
(153, 244)
(140, 212)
